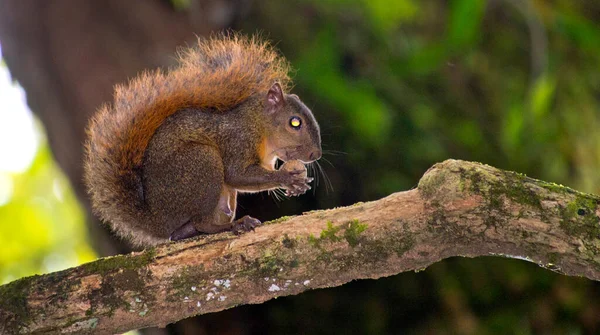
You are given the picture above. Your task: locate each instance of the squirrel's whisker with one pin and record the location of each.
(327, 161)
(328, 184)
(334, 152)
(313, 173)
(280, 193)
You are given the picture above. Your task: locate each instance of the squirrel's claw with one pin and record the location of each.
(297, 190)
(297, 184)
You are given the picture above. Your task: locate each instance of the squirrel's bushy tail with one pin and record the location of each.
(219, 73)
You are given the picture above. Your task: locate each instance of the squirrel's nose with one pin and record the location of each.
(315, 155)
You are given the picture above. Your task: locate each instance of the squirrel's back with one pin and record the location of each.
(218, 74)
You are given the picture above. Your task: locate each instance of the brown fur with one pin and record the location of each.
(217, 76)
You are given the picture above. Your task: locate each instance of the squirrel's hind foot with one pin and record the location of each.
(186, 231)
(238, 227)
(245, 224)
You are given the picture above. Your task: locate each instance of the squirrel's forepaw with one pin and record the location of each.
(297, 190)
(245, 224)
(295, 180)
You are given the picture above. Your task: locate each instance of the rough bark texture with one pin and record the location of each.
(459, 209)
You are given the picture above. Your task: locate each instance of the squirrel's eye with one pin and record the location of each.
(295, 122)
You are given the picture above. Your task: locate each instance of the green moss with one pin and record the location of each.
(269, 264)
(476, 181)
(183, 281)
(380, 250)
(330, 232)
(105, 296)
(312, 240)
(13, 303)
(272, 262)
(278, 220)
(119, 274)
(314, 211)
(121, 262)
(557, 188)
(514, 187)
(367, 250)
(109, 295)
(294, 263)
(578, 217)
(62, 284)
(289, 242)
(496, 189)
(353, 231)
(430, 183)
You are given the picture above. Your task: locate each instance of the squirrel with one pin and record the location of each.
(166, 160)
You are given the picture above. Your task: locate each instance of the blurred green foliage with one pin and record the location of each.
(398, 86)
(509, 83)
(42, 225)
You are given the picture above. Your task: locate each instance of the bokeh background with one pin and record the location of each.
(397, 85)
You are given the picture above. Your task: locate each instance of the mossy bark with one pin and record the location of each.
(459, 209)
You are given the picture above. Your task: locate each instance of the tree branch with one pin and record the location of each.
(459, 209)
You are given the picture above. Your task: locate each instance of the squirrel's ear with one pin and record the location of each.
(275, 97)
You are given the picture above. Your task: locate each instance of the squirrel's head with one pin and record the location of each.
(295, 133)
